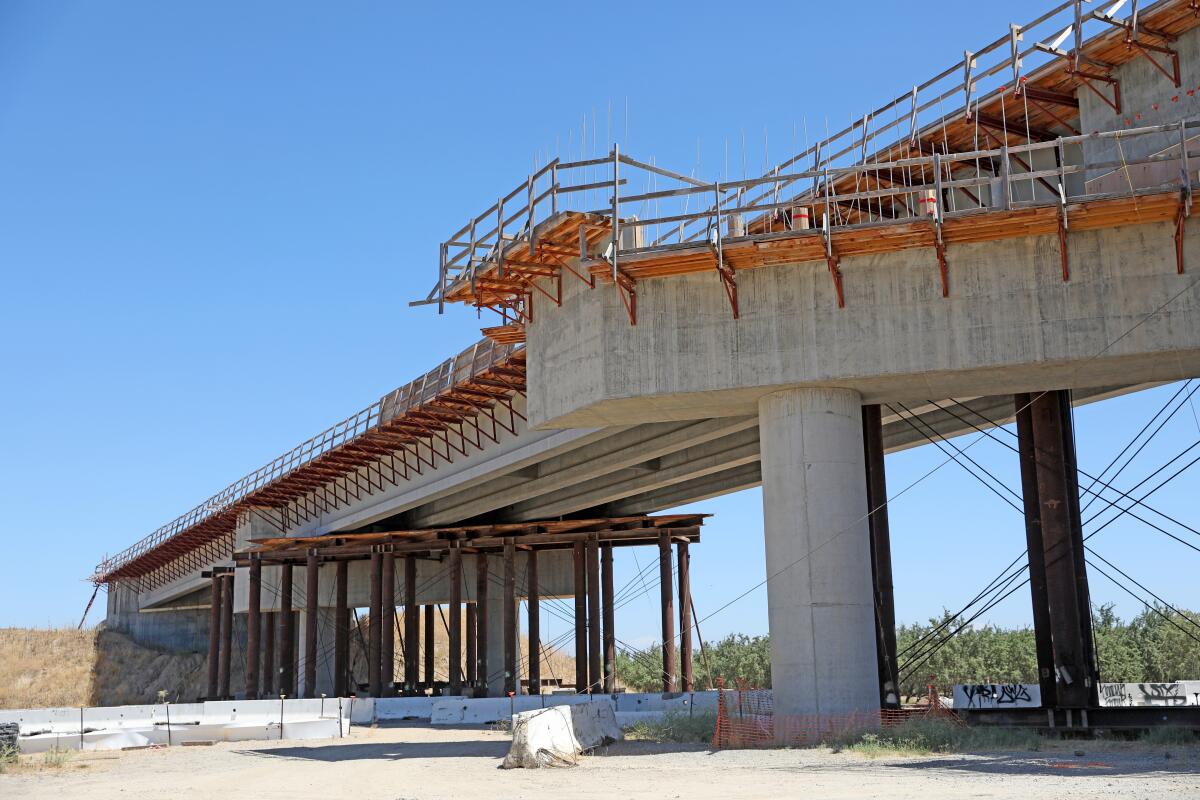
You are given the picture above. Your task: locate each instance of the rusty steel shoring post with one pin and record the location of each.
(287, 630)
(341, 631)
(387, 625)
(412, 631)
(293, 654)
(580, 583)
(881, 556)
(454, 563)
(533, 601)
(686, 677)
(609, 618)
(312, 572)
(253, 626)
(375, 618)
(481, 625)
(595, 665)
(268, 658)
(1043, 643)
(1081, 577)
(469, 636)
(668, 611)
(214, 634)
(226, 636)
(430, 639)
(510, 616)
(1066, 582)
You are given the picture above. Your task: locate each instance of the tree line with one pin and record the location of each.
(1158, 645)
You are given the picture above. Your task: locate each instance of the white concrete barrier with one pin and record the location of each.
(115, 727)
(397, 708)
(1179, 693)
(480, 710)
(557, 736)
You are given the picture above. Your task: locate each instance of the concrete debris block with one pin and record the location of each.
(557, 736)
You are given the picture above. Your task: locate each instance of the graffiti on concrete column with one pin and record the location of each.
(997, 695)
(1179, 693)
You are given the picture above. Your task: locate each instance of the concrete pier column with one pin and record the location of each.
(312, 591)
(430, 646)
(512, 683)
(819, 592)
(387, 619)
(581, 642)
(320, 677)
(294, 656)
(287, 634)
(214, 634)
(471, 635)
(483, 627)
(494, 677)
(412, 631)
(253, 628)
(454, 662)
(226, 637)
(269, 673)
(341, 639)
(374, 631)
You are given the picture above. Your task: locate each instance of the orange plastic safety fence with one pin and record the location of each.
(746, 720)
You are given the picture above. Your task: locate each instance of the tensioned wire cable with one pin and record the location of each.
(855, 523)
(1008, 578)
(928, 650)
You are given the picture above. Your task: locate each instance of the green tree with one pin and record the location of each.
(1156, 646)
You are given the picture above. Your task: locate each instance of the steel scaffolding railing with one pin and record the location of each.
(458, 369)
(501, 256)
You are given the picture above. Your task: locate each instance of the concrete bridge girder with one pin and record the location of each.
(1010, 324)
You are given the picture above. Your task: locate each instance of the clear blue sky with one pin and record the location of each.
(213, 216)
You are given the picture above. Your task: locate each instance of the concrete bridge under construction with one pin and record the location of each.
(915, 277)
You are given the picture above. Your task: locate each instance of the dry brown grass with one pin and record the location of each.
(43, 667)
(555, 663)
(48, 667)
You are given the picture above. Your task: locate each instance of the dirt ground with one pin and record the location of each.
(422, 763)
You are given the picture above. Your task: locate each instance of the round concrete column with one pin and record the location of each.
(819, 595)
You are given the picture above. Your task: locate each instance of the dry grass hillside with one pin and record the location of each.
(46, 667)
(67, 667)
(555, 663)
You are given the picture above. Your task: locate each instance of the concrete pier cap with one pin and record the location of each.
(819, 593)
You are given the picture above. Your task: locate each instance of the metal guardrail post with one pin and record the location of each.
(500, 237)
(616, 210)
(1005, 184)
